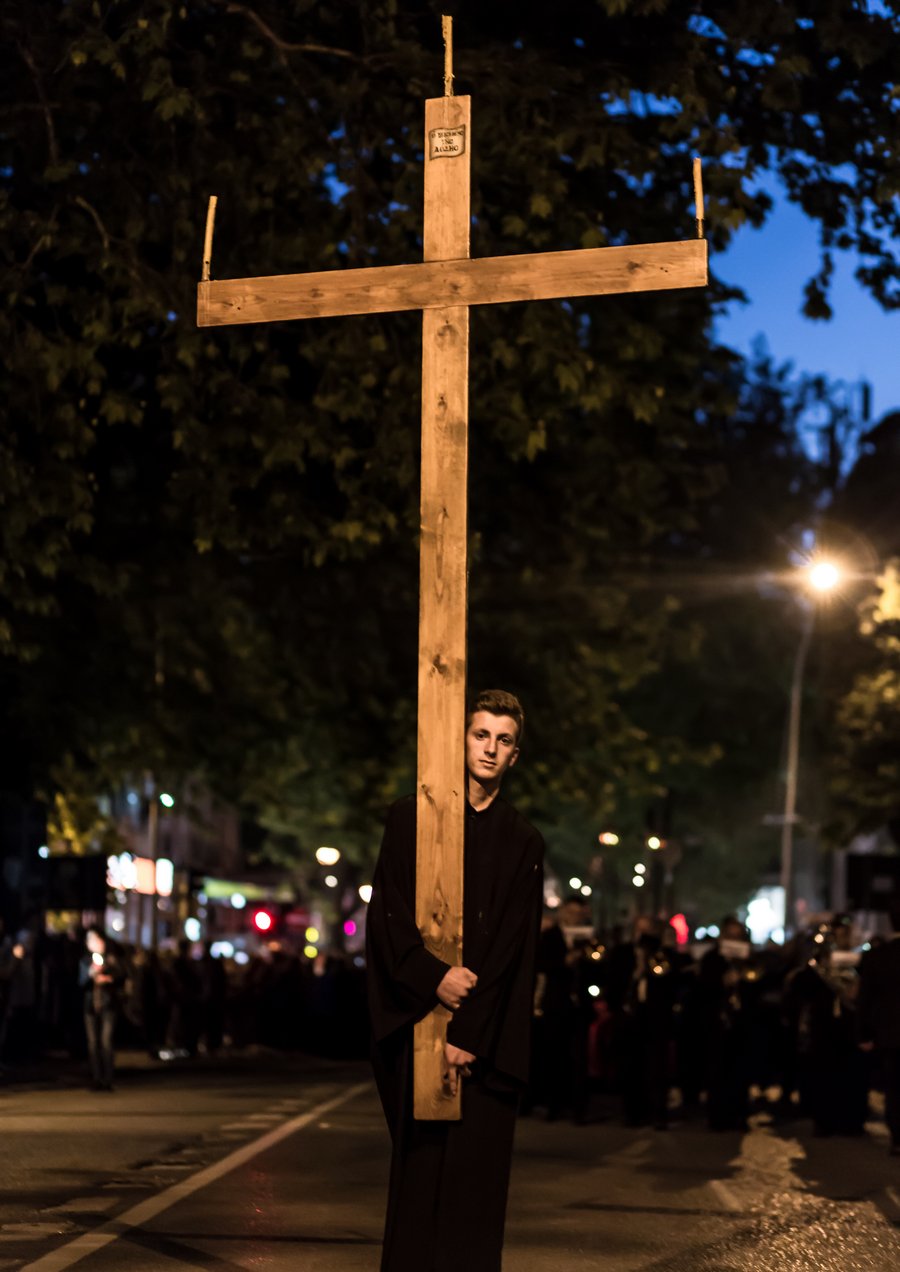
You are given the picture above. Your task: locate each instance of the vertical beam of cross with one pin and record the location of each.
(440, 785)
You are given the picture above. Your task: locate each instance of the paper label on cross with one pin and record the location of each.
(446, 142)
(443, 287)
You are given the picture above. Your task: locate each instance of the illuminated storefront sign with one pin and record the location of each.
(126, 873)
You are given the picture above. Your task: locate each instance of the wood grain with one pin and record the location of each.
(436, 284)
(440, 784)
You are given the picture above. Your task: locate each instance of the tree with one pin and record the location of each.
(222, 526)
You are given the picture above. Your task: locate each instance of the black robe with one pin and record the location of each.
(449, 1180)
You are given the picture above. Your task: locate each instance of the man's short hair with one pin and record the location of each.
(500, 703)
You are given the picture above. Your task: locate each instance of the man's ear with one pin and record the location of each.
(513, 758)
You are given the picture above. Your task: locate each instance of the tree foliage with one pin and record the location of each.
(209, 537)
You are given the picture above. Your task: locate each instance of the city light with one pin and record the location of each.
(310, 951)
(328, 856)
(365, 892)
(331, 881)
(712, 930)
(823, 576)
(349, 928)
(575, 883)
(165, 877)
(238, 901)
(640, 868)
(166, 800)
(192, 929)
(263, 921)
(609, 837)
(586, 889)
(594, 991)
(44, 852)
(639, 881)
(681, 927)
(312, 935)
(654, 842)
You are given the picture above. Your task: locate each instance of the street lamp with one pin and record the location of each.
(821, 576)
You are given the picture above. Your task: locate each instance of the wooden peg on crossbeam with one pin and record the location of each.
(208, 237)
(697, 167)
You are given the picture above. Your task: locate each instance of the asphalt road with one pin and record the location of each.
(266, 1162)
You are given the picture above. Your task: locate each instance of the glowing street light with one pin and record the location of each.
(328, 856)
(640, 868)
(575, 882)
(166, 800)
(639, 881)
(585, 889)
(823, 576)
(609, 837)
(365, 892)
(654, 843)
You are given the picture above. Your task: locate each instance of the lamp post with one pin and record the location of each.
(821, 577)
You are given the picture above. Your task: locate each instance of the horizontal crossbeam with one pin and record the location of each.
(596, 271)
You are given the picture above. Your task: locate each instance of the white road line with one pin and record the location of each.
(725, 1194)
(144, 1211)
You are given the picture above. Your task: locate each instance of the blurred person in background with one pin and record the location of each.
(820, 1005)
(563, 1013)
(726, 1019)
(214, 990)
(18, 1028)
(878, 1005)
(641, 990)
(186, 992)
(102, 977)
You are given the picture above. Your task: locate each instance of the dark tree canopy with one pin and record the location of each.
(208, 554)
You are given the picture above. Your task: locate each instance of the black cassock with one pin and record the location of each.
(449, 1180)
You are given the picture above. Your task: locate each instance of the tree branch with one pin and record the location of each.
(52, 147)
(95, 217)
(284, 46)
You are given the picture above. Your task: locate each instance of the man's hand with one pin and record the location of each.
(455, 986)
(456, 1065)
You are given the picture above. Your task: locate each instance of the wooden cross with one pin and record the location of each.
(444, 287)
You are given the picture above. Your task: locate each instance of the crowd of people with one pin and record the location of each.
(80, 994)
(714, 1029)
(681, 1031)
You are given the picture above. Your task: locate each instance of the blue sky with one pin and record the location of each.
(772, 265)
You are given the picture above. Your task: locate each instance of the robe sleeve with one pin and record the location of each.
(477, 1023)
(403, 976)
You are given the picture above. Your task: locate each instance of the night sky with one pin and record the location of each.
(772, 265)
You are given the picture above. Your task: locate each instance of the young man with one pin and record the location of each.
(449, 1180)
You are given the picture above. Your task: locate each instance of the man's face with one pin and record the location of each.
(491, 746)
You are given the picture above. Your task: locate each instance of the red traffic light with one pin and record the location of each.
(263, 921)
